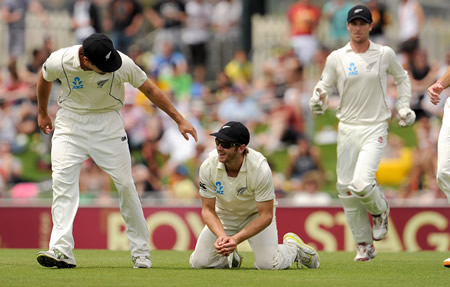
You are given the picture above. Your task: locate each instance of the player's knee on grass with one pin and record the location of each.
(197, 262)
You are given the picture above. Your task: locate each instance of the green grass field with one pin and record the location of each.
(18, 267)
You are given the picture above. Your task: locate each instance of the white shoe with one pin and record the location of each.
(235, 259)
(365, 252)
(447, 262)
(142, 262)
(380, 225)
(54, 258)
(306, 254)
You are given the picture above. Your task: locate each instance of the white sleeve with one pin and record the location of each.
(401, 79)
(328, 78)
(52, 67)
(207, 184)
(264, 189)
(134, 74)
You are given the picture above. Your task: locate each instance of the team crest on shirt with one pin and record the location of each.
(101, 83)
(370, 66)
(241, 190)
(352, 70)
(77, 83)
(219, 187)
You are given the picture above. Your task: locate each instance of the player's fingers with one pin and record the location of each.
(193, 132)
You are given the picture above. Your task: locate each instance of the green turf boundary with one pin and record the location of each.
(18, 267)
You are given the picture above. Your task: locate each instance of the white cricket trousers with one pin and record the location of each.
(102, 137)
(443, 166)
(268, 253)
(359, 151)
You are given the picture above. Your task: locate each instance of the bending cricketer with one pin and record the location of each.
(89, 124)
(238, 204)
(359, 71)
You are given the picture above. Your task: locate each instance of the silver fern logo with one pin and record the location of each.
(101, 83)
(241, 190)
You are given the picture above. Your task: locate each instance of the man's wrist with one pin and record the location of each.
(440, 83)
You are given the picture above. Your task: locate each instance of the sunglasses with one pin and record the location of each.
(226, 145)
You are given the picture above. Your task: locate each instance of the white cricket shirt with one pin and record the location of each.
(87, 91)
(236, 197)
(361, 80)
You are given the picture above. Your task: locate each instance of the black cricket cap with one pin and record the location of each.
(99, 49)
(234, 132)
(359, 12)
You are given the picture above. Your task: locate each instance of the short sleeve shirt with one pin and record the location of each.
(236, 197)
(87, 91)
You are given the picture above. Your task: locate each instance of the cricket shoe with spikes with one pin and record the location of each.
(142, 262)
(55, 258)
(365, 252)
(306, 254)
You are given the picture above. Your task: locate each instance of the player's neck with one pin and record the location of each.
(360, 47)
(234, 166)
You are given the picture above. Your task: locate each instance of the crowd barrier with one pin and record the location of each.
(177, 228)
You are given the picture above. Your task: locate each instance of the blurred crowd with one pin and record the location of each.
(196, 58)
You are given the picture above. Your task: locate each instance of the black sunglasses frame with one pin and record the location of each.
(225, 144)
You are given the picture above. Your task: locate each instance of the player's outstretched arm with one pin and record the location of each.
(157, 97)
(43, 93)
(435, 90)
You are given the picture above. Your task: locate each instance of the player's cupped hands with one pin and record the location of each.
(434, 93)
(225, 245)
(45, 123)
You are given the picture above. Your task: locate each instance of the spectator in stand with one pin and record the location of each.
(421, 179)
(196, 35)
(239, 106)
(123, 19)
(10, 168)
(164, 61)
(85, 19)
(94, 183)
(335, 11)
(422, 75)
(31, 71)
(181, 186)
(239, 69)
(13, 12)
(226, 18)
(411, 19)
(303, 158)
(134, 118)
(381, 19)
(308, 193)
(168, 17)
(8, 130)
(303, 19)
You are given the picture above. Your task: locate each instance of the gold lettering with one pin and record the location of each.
(349, 242)
(418, 221)
(116, 232)
(391, 242)
(195, 222)
(313, 229)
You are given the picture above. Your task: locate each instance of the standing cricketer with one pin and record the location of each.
(443, 167)
(238, 204)
(359, 71)
(89, 124)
